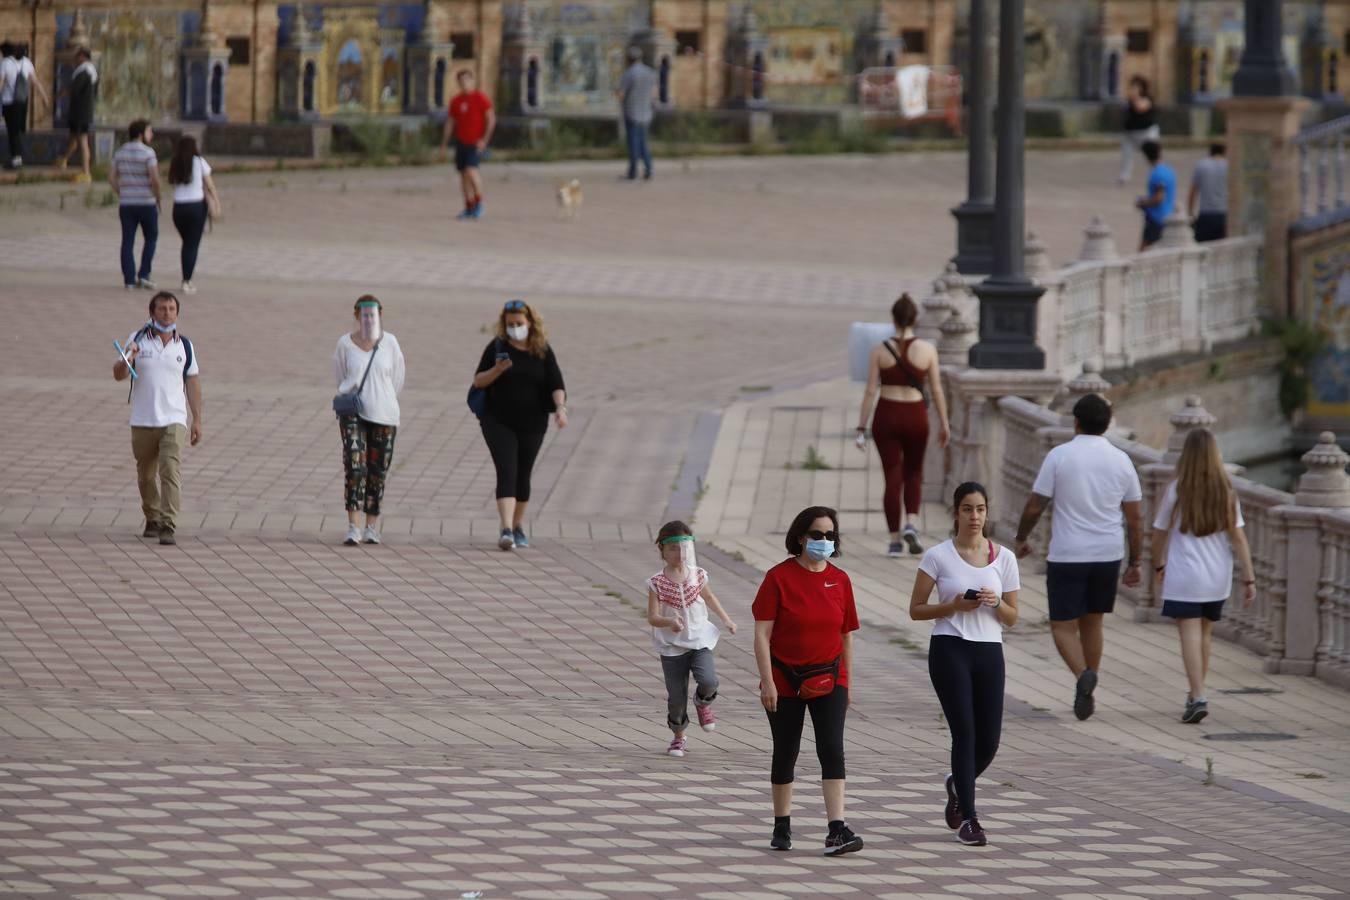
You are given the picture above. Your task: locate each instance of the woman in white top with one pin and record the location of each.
(368, 436)
(977, 584)
(1195, 533)
(194, 199)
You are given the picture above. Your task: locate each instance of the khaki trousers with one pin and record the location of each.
(159, 453)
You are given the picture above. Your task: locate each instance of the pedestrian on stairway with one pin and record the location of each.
(1196, 533)
(977, 583)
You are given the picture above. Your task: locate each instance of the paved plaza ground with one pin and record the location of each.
(261, 712)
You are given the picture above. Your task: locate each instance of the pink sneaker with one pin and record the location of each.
(676, 747)
(706, 719)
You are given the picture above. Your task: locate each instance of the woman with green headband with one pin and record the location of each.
(369, 362)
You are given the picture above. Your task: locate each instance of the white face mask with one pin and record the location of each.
(518, 332)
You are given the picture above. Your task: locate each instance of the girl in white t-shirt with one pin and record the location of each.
(194, 202)
(678, 600)
(977, 584)
(1195, 534)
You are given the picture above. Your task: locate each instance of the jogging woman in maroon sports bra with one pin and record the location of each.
(899, 368)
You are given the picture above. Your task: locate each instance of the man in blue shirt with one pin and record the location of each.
(1162, 195)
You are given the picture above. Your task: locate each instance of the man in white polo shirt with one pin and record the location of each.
(1091, 482)
(166, 384)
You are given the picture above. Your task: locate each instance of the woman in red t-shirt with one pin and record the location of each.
(804, 624)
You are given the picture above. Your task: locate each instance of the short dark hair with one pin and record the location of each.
(165, 295)
(904, 312)
(1140, 82)
(1217, 149)
(136, 130)
(1093, 414)
(83, 53)
(6, 48)
(800, 525)
(1152, 151)
(672, 529)
(463, 73)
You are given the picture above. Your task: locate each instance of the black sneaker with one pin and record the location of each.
(953, 810)
(842, 841)
(912, 540)
(1195, 711)
(1083, 704)
(166, 537)
(782, 838)
(151, 529)
(971, 834)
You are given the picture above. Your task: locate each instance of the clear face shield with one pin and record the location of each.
(678, 552)
(368, 317)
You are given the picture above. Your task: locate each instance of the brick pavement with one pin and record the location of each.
(261, 713)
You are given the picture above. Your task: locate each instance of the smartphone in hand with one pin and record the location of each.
(972, 594)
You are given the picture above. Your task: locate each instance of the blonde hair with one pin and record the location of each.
(537, 342)
(1205, 498)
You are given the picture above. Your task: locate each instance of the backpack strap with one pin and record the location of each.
(187, 356)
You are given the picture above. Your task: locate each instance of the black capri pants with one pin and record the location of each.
(968, 678)
(513, 455)
(827, 718)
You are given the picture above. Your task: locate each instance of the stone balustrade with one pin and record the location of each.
(1321, 171)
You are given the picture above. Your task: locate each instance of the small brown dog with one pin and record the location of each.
(569, 198)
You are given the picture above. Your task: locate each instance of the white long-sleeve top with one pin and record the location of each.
(378, 402)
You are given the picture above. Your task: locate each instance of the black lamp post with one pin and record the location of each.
(1262, 71)
(975, 217)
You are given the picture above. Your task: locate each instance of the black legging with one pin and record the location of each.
(190, 220)
(827, 717)
(968, 677)
(513, 455)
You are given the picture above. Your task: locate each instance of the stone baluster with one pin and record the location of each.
(1036, 258)
(934, 309)
(958, 336)
(1304, 176)
(1191, 416)
(1099, 243)
(1089, 382)
(1177, 230)
(1323, 158)
(1340, 169)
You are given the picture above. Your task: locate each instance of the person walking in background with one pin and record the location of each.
(637, 96)
(470, 121)
(18, 82)
(368, 361)
(1091, 482)
(977, 584)
(678, 600)
(194, 197)
(1207, 204)
(1196, 533)
(1140, 125)
(524, 384)
(805, 617)
(898, 369)
(81, 93)
(134, 178)
(1162, 196)
(166, 386)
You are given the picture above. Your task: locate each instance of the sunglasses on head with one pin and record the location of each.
(823, 535)
(514, 306)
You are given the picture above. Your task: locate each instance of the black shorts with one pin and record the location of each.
(1211, 226)
(1152, 231)
(1184, 609)
(78, 128)
(1079, 589)
(466, 156)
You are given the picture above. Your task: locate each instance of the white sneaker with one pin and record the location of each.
(371, 536)
(188, 288)
(507, 541)
(146, 284)
(353, 535)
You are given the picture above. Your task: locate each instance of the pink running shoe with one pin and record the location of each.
(676, 747)
(706, 719)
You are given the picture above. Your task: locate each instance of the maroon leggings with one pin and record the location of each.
(900, 429)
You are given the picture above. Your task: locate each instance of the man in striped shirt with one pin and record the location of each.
(134, 177)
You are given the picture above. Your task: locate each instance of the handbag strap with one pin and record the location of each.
(369, 362)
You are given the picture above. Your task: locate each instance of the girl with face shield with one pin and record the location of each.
(368, 361)
(678, 600)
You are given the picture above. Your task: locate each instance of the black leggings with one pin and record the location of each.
(16, 123)
(827, 717)
(190, 220)
(968, 677)
(513, 455)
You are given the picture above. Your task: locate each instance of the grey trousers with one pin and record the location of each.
(677, 670)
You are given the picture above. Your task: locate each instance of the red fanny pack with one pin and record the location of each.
(810, 682)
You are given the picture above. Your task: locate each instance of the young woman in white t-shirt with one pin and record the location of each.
(194, 199)
(977, 584)
(1196, 533)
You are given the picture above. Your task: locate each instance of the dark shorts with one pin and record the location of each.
(1211, 226)
(80, 128)
(1079, 589)
(1152, 231)
(1183, 609)
(466, 156)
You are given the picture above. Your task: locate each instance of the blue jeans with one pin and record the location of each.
(146, 218)
(636, 133)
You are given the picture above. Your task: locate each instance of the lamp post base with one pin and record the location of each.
(1007, 325)
(974, 238)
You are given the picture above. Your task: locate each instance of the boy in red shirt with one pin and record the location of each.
(471, 121)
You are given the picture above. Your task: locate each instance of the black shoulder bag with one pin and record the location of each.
(348, 404)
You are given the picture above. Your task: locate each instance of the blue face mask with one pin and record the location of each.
(163, 329)
(820, 550)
